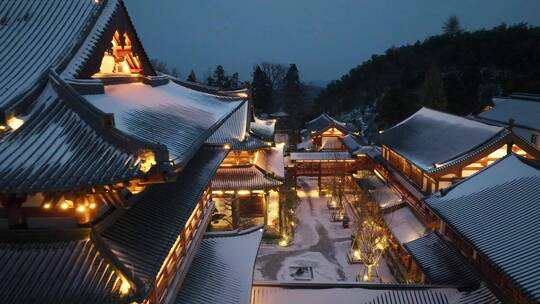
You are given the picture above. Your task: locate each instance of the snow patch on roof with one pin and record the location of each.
(170, 114)
(431, 137)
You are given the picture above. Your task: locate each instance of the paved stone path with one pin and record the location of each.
(319, 243)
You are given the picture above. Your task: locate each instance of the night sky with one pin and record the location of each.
(326, 38)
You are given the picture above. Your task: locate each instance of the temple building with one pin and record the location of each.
(107, 166)
(520, 110)
(323, 133)
(246, 186)
(328, 148)
(492, 219)
(431, 150)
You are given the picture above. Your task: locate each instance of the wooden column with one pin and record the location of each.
(265, 209)
(319, 183)
(236, 212)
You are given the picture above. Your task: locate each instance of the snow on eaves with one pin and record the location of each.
(173, 115)
(36, 36)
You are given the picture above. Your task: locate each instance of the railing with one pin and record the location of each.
(414, 201)
(176, 256)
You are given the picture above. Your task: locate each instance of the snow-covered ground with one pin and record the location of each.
(319, 243)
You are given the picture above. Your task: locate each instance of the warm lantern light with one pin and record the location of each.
(14, 122)
(244, 192)
(227, 146)
(147, 159)
(81, 208)
(242, 94)
(47, 206)
(92, 206)
(285, 240)
(124, 287)
(64, 205)
(217, 192)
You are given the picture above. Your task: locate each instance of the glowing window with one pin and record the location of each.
(119, 58)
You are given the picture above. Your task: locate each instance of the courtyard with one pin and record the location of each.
(320, 245)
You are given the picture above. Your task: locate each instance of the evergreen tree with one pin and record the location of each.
(210, 81)
(451, 26)
(432, 93)
(234, 81)
(293, 99)
(262, 91)
(220, 78)
(396, 105)
(192, 77)
(455, 92)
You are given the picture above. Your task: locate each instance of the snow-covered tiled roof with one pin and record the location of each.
(263, 127)
(345, 293)
(353, 143)
(404, 225)
(441, 262)
(249, 177)
(271, 160)
(324, 121)
(92, 38)
(35, 36)
(320, 156)
(497, 212)
(222, 270)
(142, 237)
(62, 146)
(431, 137)
(49, 267)
(524, 112)
(178, 117)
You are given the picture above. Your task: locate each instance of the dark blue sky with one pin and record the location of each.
(326, 38)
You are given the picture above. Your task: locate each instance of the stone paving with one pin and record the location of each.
(319, 243)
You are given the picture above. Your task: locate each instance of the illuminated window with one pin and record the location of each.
(119, 58)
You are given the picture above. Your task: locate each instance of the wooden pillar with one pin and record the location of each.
(319, 184)
(236, 212)
(265, 209)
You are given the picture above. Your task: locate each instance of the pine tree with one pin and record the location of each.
(210, 81)
(220, 78)
(293, 99)
(262, 91)
(432, 93)
(451, 26)
(192, 77)
(234, 81)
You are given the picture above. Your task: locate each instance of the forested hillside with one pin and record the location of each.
(456, 71)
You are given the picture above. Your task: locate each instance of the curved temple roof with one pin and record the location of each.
(431, 137)
(248, 177)
(524, 112)
(36, 35)
(497, 212)
(263, 128)
(222, 270)
(324, 121)
(61, 147)
(171, 114)
(56, 272)
(142, 237)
